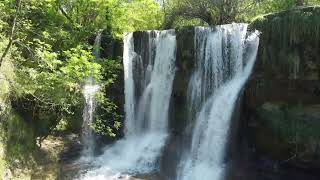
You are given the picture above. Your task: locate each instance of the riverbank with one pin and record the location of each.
(45, 161)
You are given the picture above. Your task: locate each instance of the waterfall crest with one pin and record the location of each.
(149, 70)
(225, 57)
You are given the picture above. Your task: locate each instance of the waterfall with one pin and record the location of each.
(149, 69)
(225, 56)
(154, 76)
(223, 60)
(97, 44)
(89, 90)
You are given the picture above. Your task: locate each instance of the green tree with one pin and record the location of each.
(213, 12)
(209, 11)
(45, 58)
(12, 31)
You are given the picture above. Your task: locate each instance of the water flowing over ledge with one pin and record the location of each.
(149, 74)
(89, 90)
(223, 60)
(225, 57)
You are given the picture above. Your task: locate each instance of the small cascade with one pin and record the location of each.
(97, 44)
(225, 56)
(149, 69)
(89, 90)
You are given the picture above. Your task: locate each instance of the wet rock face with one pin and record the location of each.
(111, 48)
(281, 99)
(184, 63)
(296, 129)
(178, 106)
(274, 98)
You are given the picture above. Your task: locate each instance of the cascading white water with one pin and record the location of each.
(225, 58)
(148, 86)
(89, 90)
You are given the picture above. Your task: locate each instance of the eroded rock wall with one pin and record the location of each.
(282, 98)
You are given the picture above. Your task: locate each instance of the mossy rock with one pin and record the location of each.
(20, 140)
(298, 121)
(290, 43)
(295, 127)
(290, 27)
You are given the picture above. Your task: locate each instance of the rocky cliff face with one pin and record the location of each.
(282, 99)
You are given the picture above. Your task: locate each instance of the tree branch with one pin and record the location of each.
(185, 11)
(12, 32)
(65, 13)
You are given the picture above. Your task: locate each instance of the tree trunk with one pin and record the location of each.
(12, 32)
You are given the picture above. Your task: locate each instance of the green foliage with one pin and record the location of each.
(7, 78)
(116, 16)
(110, 70)
(207, 11)
(4, 92)
(55, 80)
(107, 120)
(138, 15)
(20, 140)
(273, 6)
(53, 85)
(52, 57)
(213, 12)
(268, 6)
(290, 27)
(3, 164)
(80, 64)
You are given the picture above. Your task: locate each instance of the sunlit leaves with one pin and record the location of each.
(80, 64)
(134, 16)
